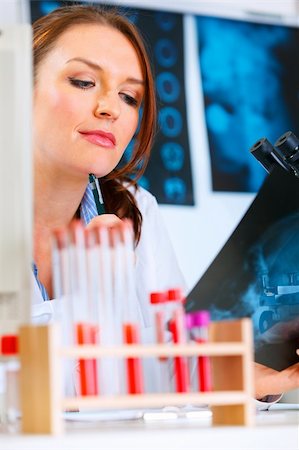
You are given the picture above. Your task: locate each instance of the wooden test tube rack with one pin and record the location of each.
(230, 349)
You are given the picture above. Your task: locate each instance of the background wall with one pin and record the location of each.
(198, 232)
(14, 11)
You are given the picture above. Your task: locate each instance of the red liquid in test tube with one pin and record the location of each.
(177, 327)
(175, 303)
(130, 324)
(134, 367)
(85, 328)
(9, 346)
(87, 334)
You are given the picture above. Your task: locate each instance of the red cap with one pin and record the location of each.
(9, 344)
(157, 297)
(175, 295)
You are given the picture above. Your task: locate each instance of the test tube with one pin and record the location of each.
(175, 300)
(63, 289)
(62, 283)
(181, 369)
(198, 323)
(134, 368)
(88, 375)
(2, 391)
(93, 288)
(131, 332)
(107, 315)
(177, 327)
(158, 302)
(9, 347)
(84, 327)
(119, 283)
(62, 280)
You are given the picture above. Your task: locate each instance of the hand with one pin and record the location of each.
(118, 229)
(271, 382)
(107, 220)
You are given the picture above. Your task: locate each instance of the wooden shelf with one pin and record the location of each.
(155, 400)
(213, 349)
(230, 350)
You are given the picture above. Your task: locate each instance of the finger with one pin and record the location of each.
(107, 220)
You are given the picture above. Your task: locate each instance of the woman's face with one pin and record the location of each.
(87, 97)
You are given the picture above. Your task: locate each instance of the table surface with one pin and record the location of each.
(274, 429)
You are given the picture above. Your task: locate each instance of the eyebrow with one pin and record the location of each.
(97, 67)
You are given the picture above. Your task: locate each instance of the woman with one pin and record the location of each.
(92, 75)
(91, 78)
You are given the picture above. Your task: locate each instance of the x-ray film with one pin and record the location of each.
(256, 273)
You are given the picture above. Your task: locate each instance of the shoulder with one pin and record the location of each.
(144, 199)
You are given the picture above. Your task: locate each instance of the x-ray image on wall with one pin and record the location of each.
(256, 274)
(250, 78)
(168, 175)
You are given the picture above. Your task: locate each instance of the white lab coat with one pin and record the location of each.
(156, 269)
(156, 265)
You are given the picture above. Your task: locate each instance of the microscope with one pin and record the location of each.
(285, 153)
(281, 302)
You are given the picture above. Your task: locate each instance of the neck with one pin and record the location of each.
(56, 198)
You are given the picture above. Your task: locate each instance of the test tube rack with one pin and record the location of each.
(230, 349)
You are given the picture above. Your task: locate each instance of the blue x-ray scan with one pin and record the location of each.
(250, 77)
(276, 263)
(270, 271)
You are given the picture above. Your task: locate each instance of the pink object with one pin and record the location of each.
(197, 322)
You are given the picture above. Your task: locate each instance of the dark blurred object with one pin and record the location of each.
(285, 152)
(288, 146)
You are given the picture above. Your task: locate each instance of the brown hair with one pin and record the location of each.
(46, 31)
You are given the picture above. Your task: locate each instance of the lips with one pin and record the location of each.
(99, 137)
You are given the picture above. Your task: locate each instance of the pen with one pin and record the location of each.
(97, 194)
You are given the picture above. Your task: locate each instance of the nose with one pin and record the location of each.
(107, 106)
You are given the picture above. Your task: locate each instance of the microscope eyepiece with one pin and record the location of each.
(263, 151)
(285, 152)
(287, 144)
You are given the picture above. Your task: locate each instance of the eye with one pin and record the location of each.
(81, 84)
(131, 101)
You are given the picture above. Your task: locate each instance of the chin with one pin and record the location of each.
(102, 171)
(99, 173)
